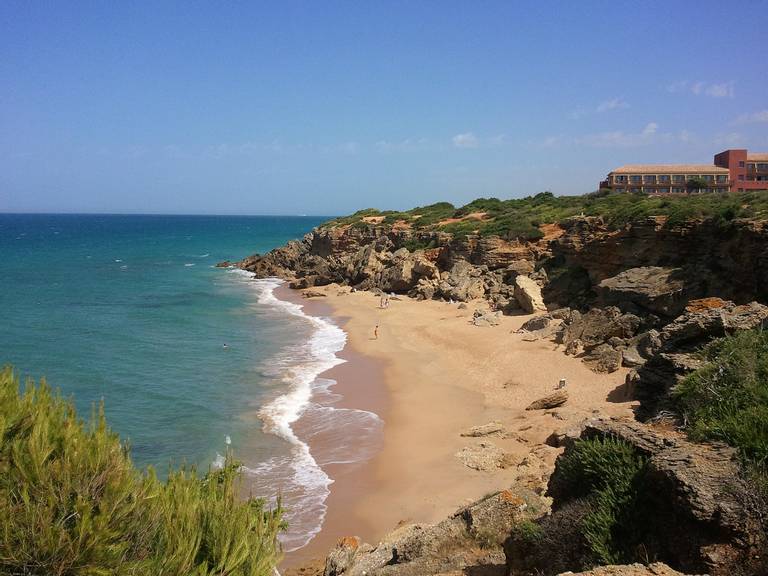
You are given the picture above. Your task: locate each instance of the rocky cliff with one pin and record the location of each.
(646, 267)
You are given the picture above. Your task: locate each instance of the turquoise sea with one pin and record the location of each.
(131, 310)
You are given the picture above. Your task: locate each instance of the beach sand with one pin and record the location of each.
(431, 375)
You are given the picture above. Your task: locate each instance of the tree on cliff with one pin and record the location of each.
(72, 503)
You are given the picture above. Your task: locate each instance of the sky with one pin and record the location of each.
(329, 107)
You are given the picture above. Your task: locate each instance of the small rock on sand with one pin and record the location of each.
(484, 456)
(492, 428)
(551, 401)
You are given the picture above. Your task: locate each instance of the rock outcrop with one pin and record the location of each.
(655, 569)
(698, 514)
(672, 352)
(468, 540)
(651, 289)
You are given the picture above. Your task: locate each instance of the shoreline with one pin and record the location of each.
(430, 355)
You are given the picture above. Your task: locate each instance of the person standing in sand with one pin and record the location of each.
(376, 332)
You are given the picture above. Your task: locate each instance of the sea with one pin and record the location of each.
(189, 360)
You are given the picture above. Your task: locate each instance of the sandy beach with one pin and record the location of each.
(431, 375)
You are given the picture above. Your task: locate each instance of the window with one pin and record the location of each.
(722, 178)
(678, 179)
(741, 163)
(708, 178)
(762, 167)
(741, 176)
(751, 167)
(635, 179)
(649, 179)
(663, 190)
(722, 189)
(619, 179)
(664, 178)
(678, 190)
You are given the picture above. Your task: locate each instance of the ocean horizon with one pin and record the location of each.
(186, 357)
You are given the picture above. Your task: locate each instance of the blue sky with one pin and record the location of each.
(326, 107)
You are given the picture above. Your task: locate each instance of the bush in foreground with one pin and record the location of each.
(72, 503)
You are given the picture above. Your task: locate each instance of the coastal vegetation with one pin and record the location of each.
(522, 217)
(72, 502)
(726, 399)
(607, 473)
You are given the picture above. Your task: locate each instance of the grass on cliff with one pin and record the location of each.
(522, 217)
(727, 398)
(606, 472)
(72, 503)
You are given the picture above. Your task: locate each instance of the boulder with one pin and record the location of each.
(599, 325)
(224, 264)
(492, 428)
(536, 323)
(462, 283)
(528, 294)
(487, 319)
(650, 288)
(553, 400)
(603, 358)
(484, 456)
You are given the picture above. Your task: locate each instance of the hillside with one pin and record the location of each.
(522, 218)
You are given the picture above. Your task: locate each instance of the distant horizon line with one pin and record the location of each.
(22, 213)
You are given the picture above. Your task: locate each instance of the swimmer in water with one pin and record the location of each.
(225, 346)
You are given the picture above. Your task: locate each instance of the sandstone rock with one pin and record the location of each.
(631, 357)
(603, 358)
(462, 306)
(528, 294)
(560, 313)
(655, 569)
(536, 323)
(462, 283)
(553, 400)
(487, 319)
(599, 325)
(652, 288)
(492, 428)
(672, 351)
(574, 347)
(469, 539)
(341, 557)
(484, 456)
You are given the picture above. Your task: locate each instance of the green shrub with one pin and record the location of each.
(726, 399)
(72, 503)
(606, 472)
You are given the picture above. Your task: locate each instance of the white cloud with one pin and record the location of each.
(407, 145)
(466, 140)
(613, 104)
(620, 139)
(754, 118)
(724, 90)
(700, 88)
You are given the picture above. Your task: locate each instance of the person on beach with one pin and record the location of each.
(376, 332)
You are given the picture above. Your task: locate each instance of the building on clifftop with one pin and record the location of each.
(732, 170)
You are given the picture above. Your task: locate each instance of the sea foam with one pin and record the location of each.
(303, 483)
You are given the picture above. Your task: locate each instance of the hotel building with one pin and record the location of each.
(733, 170)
